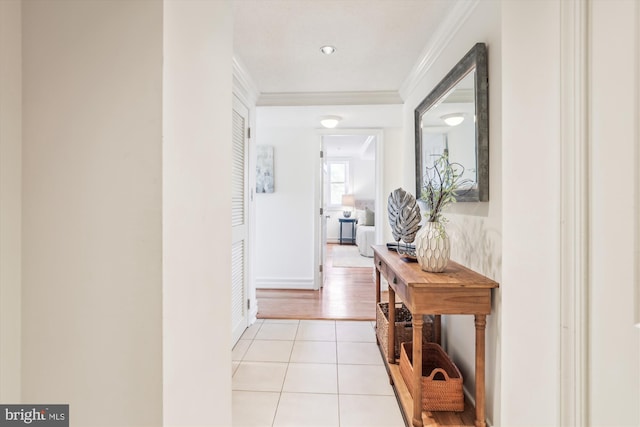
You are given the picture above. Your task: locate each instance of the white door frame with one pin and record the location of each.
(574, 294)
(379, 202)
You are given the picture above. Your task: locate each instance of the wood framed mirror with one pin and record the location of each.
(454, 119)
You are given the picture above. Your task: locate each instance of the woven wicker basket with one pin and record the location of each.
(404, 329)
(441, 379)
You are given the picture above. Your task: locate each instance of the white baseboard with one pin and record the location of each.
(253, 312)
(305, 283)
(469, 397)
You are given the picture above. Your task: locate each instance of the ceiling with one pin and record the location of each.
(377, 43)
(350, 146)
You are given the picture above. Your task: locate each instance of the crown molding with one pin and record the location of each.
(328, 98)
(243, 84)
(441, 38)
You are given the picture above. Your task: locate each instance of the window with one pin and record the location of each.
(338, 181)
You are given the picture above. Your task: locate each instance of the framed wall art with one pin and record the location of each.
(264, 169)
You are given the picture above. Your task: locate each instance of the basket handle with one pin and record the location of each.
(439, 371)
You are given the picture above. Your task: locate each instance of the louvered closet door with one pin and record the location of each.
(239, 318)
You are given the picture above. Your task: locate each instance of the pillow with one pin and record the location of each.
(369, 217)
(361, 216)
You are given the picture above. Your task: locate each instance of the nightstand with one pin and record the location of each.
(351, 221)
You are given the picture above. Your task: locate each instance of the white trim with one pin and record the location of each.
(318, 231)
(288, 99)
(637, 172)
(365, 146)
(285, 283)
(574, 293)
(469, 396)
(243, 85)
(380, 201)
(437, 43)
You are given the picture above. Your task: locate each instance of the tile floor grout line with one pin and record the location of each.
(337, 373)
(286, 371)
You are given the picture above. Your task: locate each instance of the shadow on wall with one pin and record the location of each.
(479, 248)
(476, 246)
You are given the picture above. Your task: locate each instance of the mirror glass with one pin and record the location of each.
(453, 119)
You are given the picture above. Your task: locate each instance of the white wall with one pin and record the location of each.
(532, 65)
(615, 111)
(284, 238)
(531, 213)
(197, 213)
(92, 176)
(395, 161)
(363, 182)
(475, 228)
(10, 199)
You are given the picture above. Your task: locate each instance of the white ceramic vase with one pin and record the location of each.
(433, 248)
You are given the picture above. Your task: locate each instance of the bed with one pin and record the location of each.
(365, 229)
(365, 237)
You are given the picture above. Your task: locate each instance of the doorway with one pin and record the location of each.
(349, 181)
(348, 293)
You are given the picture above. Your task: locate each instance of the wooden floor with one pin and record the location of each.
(348, 294)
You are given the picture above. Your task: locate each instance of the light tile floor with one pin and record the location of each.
(311, 373)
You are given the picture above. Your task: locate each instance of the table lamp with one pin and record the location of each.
(348, 203)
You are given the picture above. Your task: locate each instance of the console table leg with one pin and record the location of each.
(481, 323)
(417, 370)
(377, 286)
(377, 299)
(391, 330)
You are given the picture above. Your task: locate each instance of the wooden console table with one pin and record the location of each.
(457, 290)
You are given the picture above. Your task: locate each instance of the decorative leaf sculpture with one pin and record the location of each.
(404, 215)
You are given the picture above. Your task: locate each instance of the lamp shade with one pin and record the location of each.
(348, 200)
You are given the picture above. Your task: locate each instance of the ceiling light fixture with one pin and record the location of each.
(330, 121)
(453, 119)
(327, 50)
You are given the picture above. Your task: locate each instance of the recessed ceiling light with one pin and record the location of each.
(327, 50)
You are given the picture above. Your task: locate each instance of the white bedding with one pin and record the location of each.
(365, 237)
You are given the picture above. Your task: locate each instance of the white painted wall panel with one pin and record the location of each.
(531, 213)
(10, 200)
(285, 218)
(614, 342)
(197, 155)
(92, 176)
